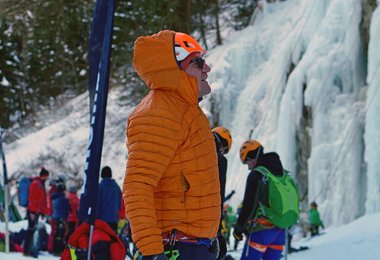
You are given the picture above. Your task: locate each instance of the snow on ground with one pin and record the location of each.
(358, 240)
(19, 256)
(16, 227)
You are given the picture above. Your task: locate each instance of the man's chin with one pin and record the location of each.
(205, 88)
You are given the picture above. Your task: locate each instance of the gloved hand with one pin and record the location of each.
(222, 246)
(238, 232)
(32, 216)
(161, 256)
(238, 235)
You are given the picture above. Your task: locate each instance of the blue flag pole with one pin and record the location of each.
(99, 71)
(6, 192)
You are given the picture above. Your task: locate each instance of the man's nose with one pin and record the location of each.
(206, 68)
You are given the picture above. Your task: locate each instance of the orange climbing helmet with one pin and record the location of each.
(224, 134)
(184, 45)
(251, 147)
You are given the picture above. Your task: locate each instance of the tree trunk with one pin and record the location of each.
(218, 36)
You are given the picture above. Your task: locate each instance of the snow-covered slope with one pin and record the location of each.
(296, 79)
(357, 240)
(61, 146)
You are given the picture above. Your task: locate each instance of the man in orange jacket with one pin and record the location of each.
(171, 188)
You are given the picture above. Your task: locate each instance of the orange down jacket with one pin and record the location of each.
(171, 177)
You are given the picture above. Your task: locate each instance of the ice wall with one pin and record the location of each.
(372, 126)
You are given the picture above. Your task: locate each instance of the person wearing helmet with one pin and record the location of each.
(61, 210)
(223, 141)
(264, 240)
(314, 219)
(171, 186)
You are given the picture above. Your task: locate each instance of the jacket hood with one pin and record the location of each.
(154, 61)
(272, 162)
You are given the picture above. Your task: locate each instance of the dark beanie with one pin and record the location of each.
(106, 172)
(44, 172)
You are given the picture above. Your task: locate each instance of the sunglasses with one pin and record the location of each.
(198, 61)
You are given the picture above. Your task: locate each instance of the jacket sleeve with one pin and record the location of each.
(249, 198)
(152, 142)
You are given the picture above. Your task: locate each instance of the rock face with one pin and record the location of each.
(368, 7)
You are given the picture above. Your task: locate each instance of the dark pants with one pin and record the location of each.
(314, 229)
(236, 244)
(190, 251)
(32, 222)
(70, 229)
(59, 236)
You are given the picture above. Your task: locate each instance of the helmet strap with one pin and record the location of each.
(217, 138)
(256, 158)
(258, 152)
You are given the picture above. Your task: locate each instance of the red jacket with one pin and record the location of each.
(74, 207)
(37, 197)
(49, 208)
(102, 232)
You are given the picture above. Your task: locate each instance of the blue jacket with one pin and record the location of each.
(61, 206)
(109, 201)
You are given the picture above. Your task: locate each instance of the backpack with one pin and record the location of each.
(23, 191)
(283, 199)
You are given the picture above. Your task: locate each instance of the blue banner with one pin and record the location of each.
(2, 155)
(99, 71)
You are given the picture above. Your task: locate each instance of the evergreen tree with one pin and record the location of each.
(13, 88)
(45, 44)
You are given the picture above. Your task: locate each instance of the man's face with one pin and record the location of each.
(223, 149)
(199, 69)
(44, 177)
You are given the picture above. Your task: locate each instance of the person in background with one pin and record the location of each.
(53, 189)
(124, 231)
(314, 219)
(171, 188)
(264, 239)
(37, 206)
(61, 209)
(229, 220)
(223, 142)
(109, 199)
(238, 210)
(72, 220)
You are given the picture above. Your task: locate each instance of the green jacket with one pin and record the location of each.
(314, 218)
